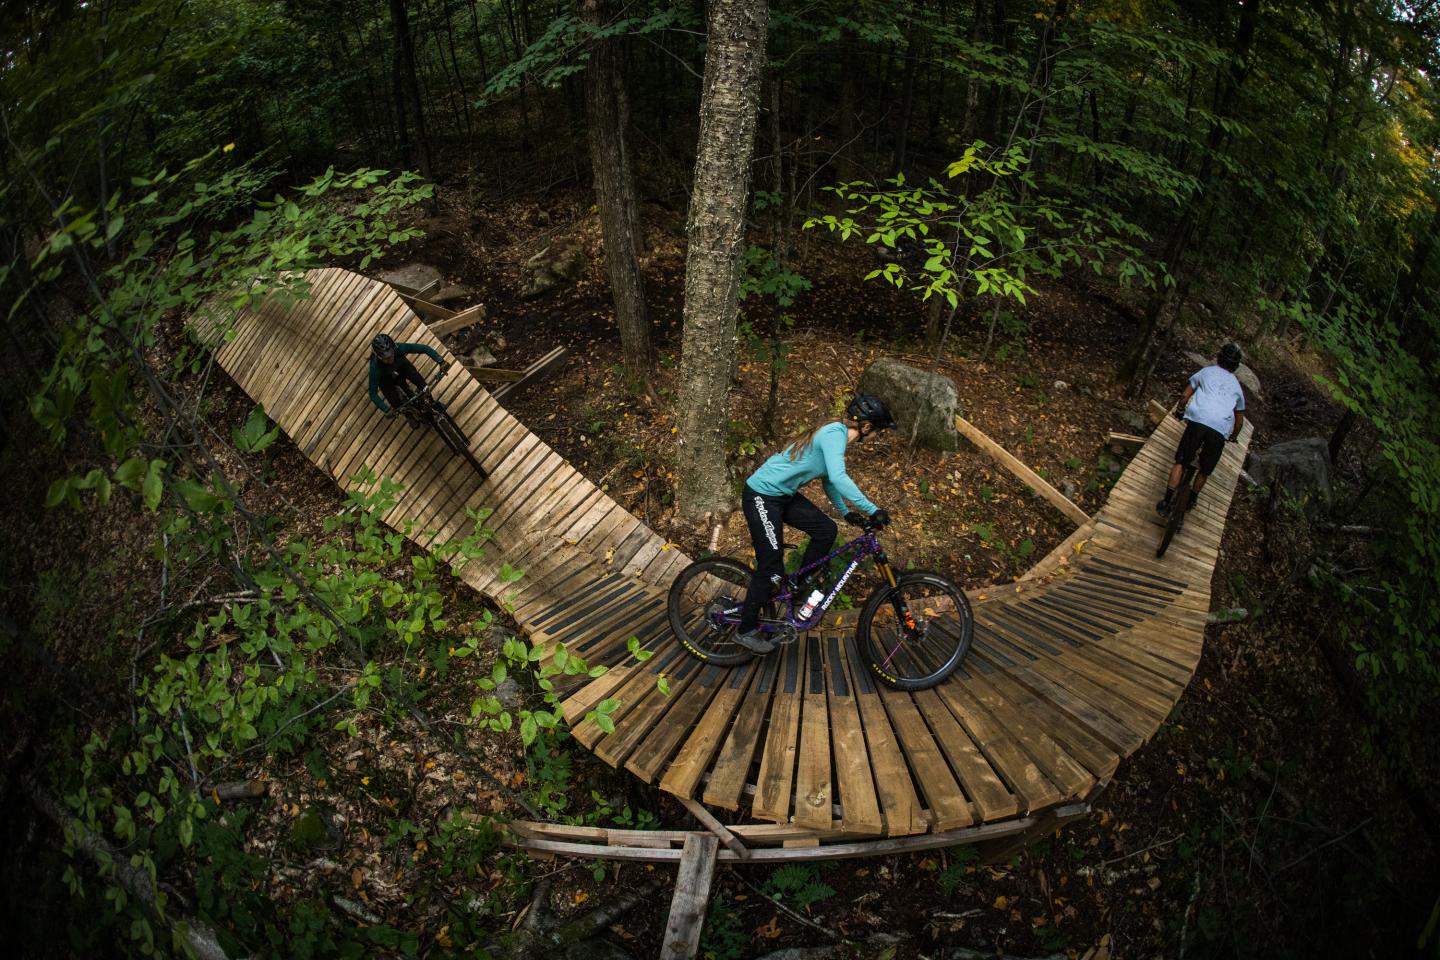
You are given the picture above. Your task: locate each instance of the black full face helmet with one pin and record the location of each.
(383, 346)
(1230, 356)
(867, 408)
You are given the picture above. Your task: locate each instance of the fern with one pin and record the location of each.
(959, 868)
(801, 883)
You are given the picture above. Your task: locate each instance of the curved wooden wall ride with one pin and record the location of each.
(1068, 674)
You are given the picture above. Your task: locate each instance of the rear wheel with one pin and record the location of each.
(913, 635)
(704, 608)
(1177, 512)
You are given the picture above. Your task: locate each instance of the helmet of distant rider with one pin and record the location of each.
(867, 407)
(1230, 356)
(383, 346)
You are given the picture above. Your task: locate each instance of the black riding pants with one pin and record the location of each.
(766, 517)
(1209, 441)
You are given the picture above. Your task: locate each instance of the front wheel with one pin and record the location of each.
(704, 608)
(913, 635)
(456, 439)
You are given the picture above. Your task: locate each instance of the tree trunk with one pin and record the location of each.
(407, 90)
(615, 196)
(734, 61)
(907, 100)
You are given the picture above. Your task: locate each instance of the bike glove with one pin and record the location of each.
(880, 518)
(855, 518)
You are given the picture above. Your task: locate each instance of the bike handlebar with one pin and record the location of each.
(424, 391)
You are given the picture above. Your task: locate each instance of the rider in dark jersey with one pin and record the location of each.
(389, 370)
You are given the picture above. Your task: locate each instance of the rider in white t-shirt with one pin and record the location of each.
(1214, 411)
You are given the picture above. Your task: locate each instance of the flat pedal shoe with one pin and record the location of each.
(755, 641)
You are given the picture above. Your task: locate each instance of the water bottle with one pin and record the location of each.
(810, 604)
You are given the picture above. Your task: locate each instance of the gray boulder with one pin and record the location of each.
(1244, 374)
(919, 400)
(1301, 466)
(452, 291)
(552, 271)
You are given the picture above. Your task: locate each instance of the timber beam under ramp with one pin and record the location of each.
(1068, 673)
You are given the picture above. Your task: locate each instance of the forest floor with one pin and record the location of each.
(1256, 823)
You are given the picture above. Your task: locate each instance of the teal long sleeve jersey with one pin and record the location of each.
(780, 476)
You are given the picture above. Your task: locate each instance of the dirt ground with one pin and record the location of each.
(1244, 826)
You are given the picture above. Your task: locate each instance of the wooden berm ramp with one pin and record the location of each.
(1069, 672)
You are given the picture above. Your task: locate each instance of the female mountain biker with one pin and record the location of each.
(771, 498)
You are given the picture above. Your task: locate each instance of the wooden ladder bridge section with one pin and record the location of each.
(1070, 671)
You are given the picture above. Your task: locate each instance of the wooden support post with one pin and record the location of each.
(1156, 412)
(457, 322)
(1032, 480)
(1124, 444)
(692, 896)
(429, 312)
(536, 371)
(1069, 548)
(732, 842)
(493, 374)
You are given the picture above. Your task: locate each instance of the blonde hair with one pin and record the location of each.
(798, 447)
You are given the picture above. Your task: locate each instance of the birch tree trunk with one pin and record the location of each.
(615, 196)
(734, 62)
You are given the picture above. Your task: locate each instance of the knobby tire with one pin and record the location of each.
(713, 580)
(906, 659)
(1177, 512)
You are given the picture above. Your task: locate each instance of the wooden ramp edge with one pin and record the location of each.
(1070, 672)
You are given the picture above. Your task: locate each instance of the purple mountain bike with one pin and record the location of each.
(912, 632)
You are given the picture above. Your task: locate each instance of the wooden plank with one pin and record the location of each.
(457, 321)
(637, 720)
(534, 373)
(405, 290)
(948, 805)
(855, 781)
(691, 899)
(992, 799)
(682, 777)
(894, 788)
(487, 374)
(1124, 443)
(773, 793)
(1031, 479)
(430, 311)
(814, 785)
(722, 833)
(1031, 787)
(732, 763)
